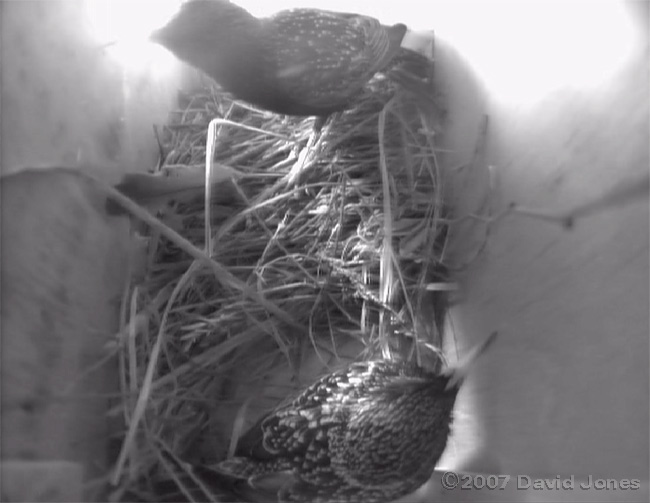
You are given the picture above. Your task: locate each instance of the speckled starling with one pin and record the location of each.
(371, 432)
(302, 62)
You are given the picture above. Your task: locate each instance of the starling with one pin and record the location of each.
(301, 62)
(372, 432)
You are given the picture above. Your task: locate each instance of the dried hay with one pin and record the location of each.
(348, 259)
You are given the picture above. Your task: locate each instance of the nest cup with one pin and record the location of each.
(353, 252)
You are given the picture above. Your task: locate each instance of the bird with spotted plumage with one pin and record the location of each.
(298, 62)
(301, 62)
(371, 432)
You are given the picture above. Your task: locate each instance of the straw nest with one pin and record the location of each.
(345, 261)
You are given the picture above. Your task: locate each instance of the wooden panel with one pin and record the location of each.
(63, 270)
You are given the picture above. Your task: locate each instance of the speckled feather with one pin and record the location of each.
(370, 432)
(322, 57)
(298, 62)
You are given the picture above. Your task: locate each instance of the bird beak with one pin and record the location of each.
(155, 36)
(158, 36)
(460, 370)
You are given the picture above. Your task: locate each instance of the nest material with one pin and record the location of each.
(352, 251)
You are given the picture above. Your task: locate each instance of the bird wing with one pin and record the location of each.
(301, 424)
(301, 451)
(289, 428)
(382, 42)
(304, 422)
(323, 58)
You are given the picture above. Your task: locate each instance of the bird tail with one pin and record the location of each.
(201, 483)
(458, 372)
(396, 35)
(254, 489)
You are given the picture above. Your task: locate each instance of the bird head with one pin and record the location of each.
(202, 28)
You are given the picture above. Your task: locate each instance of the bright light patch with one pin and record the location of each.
(126, 26)
(526, 50)
(523, 50)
